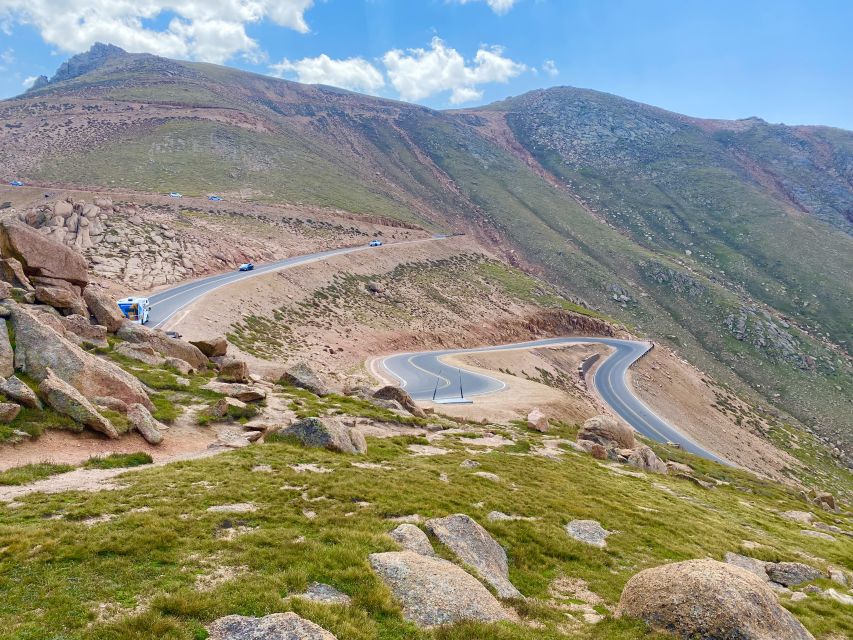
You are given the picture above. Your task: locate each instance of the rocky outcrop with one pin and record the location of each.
(40, 255)
(163, 344)
(147, 426)
(39, 348)
(212, 347)
(141, 352)
(411, 538)
(242, 392)
(589, 531)
(16, 390)
(328, 433)
(433, 591)
(790, 574)
(9, 411)
(103, 308)
(276, 626)
(65, 399)
(233, 370)
(474, 546)
(7, 355)
(608, 432)
(644, 458)
(708, 599)
(12, 271)
(391, 392)
(538, 421)
(303, 376)
(81, 330)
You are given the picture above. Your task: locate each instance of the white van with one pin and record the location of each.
(135, 309)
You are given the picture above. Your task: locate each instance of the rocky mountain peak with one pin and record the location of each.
(87, 61)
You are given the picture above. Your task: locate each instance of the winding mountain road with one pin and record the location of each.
(418, 372)
(168, 302)
(424, 374)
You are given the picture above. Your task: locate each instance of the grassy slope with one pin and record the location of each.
(162, 538)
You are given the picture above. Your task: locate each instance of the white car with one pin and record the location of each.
(135, 309)
(175, 194)
(375, 243)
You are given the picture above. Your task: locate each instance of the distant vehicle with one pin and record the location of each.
(16, 183)
(175, 194)
(135, 309)
(375, 243)
(214, 198)
(246, 266)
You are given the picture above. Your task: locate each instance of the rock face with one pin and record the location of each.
(474, 546)
(753, 565)
(303, 376)
(608, 432)
(40, 255)
(212, 347)
(39, 348)
(65, 399)
(103, 308)
(411, 538)
(790, 574)
(644, 458)
(391, 392)
(163, 344)
(16, 390)
(589, 531)
(708, 599)
(537, 421)
(434, 591)
(327, 432)
(145, 424)
(276, 626)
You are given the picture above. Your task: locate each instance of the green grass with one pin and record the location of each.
(151, 558)
(118, 460)
(32, 472)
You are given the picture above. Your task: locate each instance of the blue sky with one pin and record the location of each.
(784, 61)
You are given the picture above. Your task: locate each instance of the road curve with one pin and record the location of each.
(419, 373)
(167, 303)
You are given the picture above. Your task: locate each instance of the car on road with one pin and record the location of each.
(246, 266)
(16, 183)
(214, 198)
(175, 194)
(375, 243)
(135, 309)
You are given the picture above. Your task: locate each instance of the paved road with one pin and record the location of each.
(419, 372)
(167, 303)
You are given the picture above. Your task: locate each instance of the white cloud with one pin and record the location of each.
(550, 67)
(420, 73)
(7, 57)
(29, 81)
(356, 74)
(209, 30)
(500, 7)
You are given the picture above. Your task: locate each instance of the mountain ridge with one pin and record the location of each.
(731, 243)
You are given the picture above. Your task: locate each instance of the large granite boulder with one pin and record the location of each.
(644, 458)
(411, 538)
(390, 392)
(474, 546)
(233, 370)
(104, 309)
(608, 432)
(790, 574)
(65, 399)
(7, 355)
(303, 376)
(212, 347)
(14, 389)
(708, 599)
(147, 426)
(40, 255)
(39, 348)
(433, 591)
(276, 626)
(163, 344)
(327, 432)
